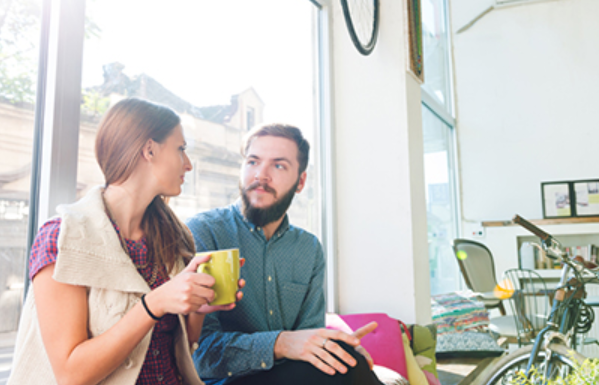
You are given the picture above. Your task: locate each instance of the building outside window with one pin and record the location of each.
(195, 69)
(250, 117)
(20, 27)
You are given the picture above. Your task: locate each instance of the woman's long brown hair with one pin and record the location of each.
(122, 134)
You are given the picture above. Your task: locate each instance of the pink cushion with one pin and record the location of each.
(384, 344)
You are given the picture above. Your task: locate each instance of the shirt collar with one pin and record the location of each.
(283, 227)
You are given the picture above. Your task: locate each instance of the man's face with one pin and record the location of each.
(269, 178)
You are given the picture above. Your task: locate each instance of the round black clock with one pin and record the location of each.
(362, 20)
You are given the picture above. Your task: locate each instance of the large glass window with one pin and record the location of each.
(224, 66)
(440, 202)
(435, 38)
(20, 23)
(438, 132)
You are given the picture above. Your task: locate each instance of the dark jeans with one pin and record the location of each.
(304, 373)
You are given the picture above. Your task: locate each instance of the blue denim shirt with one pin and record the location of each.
(284, 291)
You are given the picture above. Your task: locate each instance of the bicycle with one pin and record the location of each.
(553, 353)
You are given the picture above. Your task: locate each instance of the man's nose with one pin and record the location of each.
(262, 174)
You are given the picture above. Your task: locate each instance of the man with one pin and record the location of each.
(275, 334)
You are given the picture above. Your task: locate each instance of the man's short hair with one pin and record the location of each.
(282, 131)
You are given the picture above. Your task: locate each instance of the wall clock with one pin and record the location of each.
(362, 20)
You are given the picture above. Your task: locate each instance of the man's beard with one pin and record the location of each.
(263, 216)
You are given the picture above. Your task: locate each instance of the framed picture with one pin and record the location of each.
(557, 199)
(415, 55)
(586, 197)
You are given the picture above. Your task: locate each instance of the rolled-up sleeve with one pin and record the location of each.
(225, 354)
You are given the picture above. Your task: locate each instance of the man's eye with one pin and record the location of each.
(251, 162)
(280, 167)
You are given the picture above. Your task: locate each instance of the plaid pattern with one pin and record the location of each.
(159, 366)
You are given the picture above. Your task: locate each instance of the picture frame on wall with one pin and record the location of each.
(586, 197)
(414, 36)
(557, 199)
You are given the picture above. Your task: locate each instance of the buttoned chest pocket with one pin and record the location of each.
(106, 308)
(293, 295)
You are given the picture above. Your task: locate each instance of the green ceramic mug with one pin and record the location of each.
(224, 267)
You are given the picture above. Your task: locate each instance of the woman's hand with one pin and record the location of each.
(206, 309)
(183, 294)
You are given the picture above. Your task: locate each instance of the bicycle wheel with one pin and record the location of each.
(507, 369)
(362, 21)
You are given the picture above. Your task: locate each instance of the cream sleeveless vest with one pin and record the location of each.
(90, 255)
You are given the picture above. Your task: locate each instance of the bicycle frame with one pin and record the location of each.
(552, 325)
(565, 312)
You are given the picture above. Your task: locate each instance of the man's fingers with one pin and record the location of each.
(364, 330)
(339, 336)
(331, 361)
(320, 365)
(337, 350)
(239, 295)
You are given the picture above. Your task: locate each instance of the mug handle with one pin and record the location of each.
(204, 268)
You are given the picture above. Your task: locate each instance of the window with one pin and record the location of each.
(438, 132)
(440, 202)
(218, 65)
(19, 45)
(435, 37)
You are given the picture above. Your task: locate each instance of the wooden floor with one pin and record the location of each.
(463, 371)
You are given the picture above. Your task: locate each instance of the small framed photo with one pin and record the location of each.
(586, 197)
(557, 198)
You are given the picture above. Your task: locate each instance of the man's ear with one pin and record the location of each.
(302, 182)
(147, 152)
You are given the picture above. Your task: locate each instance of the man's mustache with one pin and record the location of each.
(265, 187)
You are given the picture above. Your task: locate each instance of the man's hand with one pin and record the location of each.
(361, 332)
(316, 347)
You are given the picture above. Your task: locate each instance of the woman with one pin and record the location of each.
(115, 289)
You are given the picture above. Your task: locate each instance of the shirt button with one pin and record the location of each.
(251, 230)
(160, 377)
(271, 312)
(229, 374)
(269, 278)
(263, 365)
(258, 228)
(195, 346)
(156, 352)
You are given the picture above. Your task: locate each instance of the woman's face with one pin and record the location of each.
(170, 163)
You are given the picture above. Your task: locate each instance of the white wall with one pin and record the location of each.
(381, 213)
(527, 81)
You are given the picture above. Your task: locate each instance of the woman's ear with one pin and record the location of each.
(147, 152)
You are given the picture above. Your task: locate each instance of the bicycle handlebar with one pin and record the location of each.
(532, 228)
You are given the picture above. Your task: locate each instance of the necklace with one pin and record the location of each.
(126, 249)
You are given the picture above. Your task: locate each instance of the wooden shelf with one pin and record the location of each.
(540, 222)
